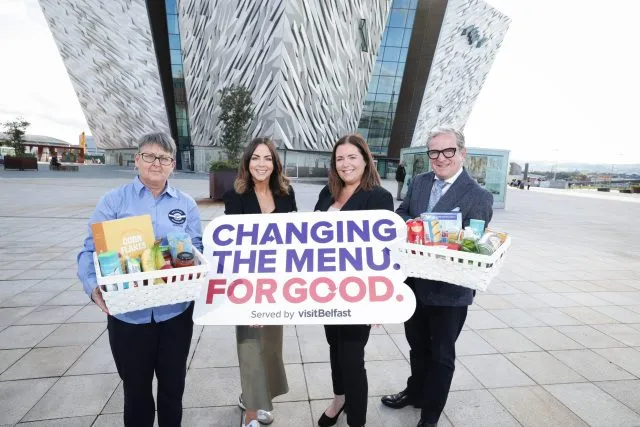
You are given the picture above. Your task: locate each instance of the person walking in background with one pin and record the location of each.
(400, 175)
(441, 308)
(260, 187)
(354, 184)
(154, 340)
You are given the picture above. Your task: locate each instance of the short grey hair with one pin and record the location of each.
(446, 130)
(159, 138)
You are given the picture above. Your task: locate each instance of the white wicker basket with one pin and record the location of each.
(466, 269)
(182, 284)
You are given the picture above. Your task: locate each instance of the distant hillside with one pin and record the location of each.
(582, 167)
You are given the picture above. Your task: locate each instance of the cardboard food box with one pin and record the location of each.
(439, 224)
(128, 236)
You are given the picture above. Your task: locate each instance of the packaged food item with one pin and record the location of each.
(152, 259)
(449, 223)
(489, 243)
(185, 259)
(129, 236)
(179, 242)
(477, 225)
(163, 260)
(415, 231)
(133, 266)
(110, 266)
(432, 232)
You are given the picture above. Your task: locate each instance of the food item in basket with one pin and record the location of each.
(133, 266)
(150, 261)
(110, 266)
(163, 260)
(489, 243)
(185, 259)
(477, 225)
(432, 231)
(415, 231)
(469, 245)
(129, 236)
(179, 242)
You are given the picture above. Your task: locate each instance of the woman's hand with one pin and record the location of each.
(96, 296)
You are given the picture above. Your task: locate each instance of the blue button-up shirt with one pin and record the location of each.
(166, 213)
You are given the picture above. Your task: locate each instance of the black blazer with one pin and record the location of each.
(247, 203)
(465, 196)
(376, 198)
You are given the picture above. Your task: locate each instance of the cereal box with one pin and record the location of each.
(437, 226)
(128, 236)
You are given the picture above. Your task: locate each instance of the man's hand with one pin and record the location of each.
(96, 296)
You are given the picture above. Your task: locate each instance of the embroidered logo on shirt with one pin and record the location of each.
(177, 216)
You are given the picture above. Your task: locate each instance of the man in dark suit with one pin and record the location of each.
(441, 308)
(400, 175)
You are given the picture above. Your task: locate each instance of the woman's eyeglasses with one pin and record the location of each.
(447, 153)
(150, 158)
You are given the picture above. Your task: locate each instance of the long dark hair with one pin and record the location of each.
(278, 182)
(370, 177)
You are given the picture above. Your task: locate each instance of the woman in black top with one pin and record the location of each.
(260, 187)
(354, 184)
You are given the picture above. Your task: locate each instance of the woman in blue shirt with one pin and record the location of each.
(154, 340)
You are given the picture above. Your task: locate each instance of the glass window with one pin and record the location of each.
(364, 132)
(176, 71)
(174, 41)
(381, 97)
(376, 68)
(364, 122)
(171, 7)
(396, 85)
(389, 68)
(398, 17)
(176, 57)
(400, 71)
(391, 54)
(181, 111)
(407, 37)
(172, 23)
(413, 4)
(394, 37)
(411, 16)
(382, 106)
(401, 4)
(373, 85)
(386, 85)
(403, 54)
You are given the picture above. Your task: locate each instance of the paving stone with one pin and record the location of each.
(384, 376)
(625, 391)
(591, 365)
(17, 397)
(470, 343)
(507, 340)
(70, 298)
(297, 384)
(623, 333)
(9, 357)
(211, 352)
(586, 298)
(24, 336)
(43, 362)
(589, 337)
(620, 314)
(492, 302)
(381, 347)
(494, 370)
(400, 340)
(553, 316)
(62, 422)
(544, 368)
(483, 320)
(549, 339)
(211, 387)
(534, 406)
(62, 399)
(28, 299)
(74, 334)
(587, 315)
(593, 405)
(556, 300)
(627, 358)
(313, 344)
(463, 379)
(96, 360)
(10, 316)
(477, 408)
(88, 313)
(516, 318)
(46, 314)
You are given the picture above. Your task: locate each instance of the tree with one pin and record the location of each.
(236, 111)
(15, 131)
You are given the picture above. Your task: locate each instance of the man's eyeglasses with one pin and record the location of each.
(447, 153)
(150, 158)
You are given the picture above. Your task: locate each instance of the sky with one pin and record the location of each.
(564, 86)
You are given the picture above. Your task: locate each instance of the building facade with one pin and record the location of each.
(317, 69)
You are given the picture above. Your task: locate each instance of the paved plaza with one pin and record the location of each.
(555, 341)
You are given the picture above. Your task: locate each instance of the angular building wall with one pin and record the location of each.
(302, 59)
(471, 34)
(107, 48)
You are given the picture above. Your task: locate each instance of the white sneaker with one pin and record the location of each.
(265, 417)
(253, 423)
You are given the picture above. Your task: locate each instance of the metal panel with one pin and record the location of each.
(302, 59)
(470, 37)
(108, 50)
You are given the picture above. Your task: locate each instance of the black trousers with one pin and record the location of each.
(349, 377)
(141, 350)
(432, 332)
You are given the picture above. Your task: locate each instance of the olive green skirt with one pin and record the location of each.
(262, 373)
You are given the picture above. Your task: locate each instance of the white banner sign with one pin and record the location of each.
(304, 268)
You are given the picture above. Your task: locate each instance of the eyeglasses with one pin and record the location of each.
(150, 158)
(447, 153)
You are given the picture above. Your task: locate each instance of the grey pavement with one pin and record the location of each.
(555, 340)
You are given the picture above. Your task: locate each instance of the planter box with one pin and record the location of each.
(635, 189)
(605, 189)
(626, 191)
(220, 182)
(20, 163)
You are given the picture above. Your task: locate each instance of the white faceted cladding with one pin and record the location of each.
(107, 48)
(301, 59)
(460, 65)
